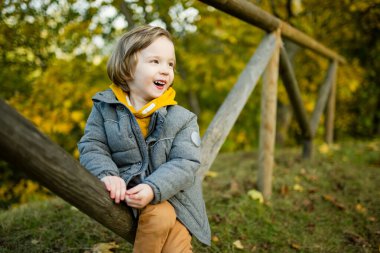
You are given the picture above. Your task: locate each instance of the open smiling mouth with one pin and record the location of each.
(159, 83)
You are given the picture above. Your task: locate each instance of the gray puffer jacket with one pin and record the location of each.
(167, 160)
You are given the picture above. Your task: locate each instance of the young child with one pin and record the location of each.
(145, 147)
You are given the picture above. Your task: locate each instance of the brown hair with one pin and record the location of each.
(122, 63)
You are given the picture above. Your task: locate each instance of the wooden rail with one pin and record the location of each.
(249, 12)
(24, 146)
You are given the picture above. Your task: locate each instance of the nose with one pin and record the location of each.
(165, 69)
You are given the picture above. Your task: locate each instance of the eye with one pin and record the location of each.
(155, 61)
(171, 64)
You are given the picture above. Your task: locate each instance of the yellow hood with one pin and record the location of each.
(143, 115)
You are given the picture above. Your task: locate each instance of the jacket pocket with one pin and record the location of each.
(119, 136)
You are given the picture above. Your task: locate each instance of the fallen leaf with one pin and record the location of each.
(298, 188)
(333, 201)
(372, 218)
(215, 238)
(256, 195)
(295, 246)
(360, 208)
(238, 244)
(104, 247)
(211, 174)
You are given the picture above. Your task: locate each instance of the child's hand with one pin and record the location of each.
(116, 186)
(139, 196)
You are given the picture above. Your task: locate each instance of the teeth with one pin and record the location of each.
(159, 82)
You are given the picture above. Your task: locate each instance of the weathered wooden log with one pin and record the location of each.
(229, 111)
(322, 97)
(294, 94)
(250, 13)
(268, 123)
(24, 146)
(330, 113)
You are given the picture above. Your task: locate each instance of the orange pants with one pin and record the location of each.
(158, 230)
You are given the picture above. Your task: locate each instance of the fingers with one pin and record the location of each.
(116, 186)
(143, 195)
(106, 183)
(120, 190)
(135, 189)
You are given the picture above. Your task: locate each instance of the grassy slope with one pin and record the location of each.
(329, 204)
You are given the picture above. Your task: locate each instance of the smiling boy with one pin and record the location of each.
(145, 147)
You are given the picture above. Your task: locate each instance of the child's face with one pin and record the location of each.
(154, 72)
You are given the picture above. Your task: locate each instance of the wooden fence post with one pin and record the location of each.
(322, 97)
(229, 111)
(268, 122)
(294, 94)
(330, 113)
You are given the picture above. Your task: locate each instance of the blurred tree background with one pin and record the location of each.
(54, 55)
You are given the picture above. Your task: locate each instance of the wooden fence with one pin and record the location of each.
(270, 59)
(24, 146)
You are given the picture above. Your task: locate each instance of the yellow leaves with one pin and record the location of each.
(324, 148)
(37, 120)
(353, 85)
(256, 195)
(309, 105)
(63, 128)
(238, 245)
(241, 137)
(26, 186)
(359, 6)
(76, 153)
(67, 104)
(77, 116)
(25, 190)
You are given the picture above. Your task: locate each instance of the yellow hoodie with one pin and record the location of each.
(144, 114)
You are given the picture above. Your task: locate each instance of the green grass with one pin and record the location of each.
(328, 204)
